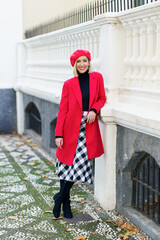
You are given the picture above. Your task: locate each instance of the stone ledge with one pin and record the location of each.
(147, 225)
(133, 117)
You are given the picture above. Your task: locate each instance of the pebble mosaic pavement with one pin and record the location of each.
(27, 186)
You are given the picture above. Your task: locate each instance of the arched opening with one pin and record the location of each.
(33, 118)
(146, 188)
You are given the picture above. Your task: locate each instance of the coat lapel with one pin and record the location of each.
(92, 88)
(77, 90)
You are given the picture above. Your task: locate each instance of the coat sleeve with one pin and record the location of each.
(101, 95)
(63, 109)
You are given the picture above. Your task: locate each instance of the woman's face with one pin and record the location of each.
(82, 64)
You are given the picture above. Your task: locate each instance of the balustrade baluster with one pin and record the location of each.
(150, 53)
(129, 52)
(142, 53)
(135, 54)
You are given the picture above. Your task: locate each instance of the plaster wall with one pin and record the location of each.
(11, 33)
(40, 11)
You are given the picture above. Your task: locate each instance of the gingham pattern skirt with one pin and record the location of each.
(81, 170)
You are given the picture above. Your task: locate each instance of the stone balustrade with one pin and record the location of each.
(46, 58)
(142, 58)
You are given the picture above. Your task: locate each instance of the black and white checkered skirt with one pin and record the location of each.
(82, 168)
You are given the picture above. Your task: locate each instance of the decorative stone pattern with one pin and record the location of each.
(26, 197)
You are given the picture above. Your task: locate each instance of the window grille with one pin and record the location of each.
(146, 188)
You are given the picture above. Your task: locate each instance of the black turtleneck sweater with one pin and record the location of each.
(84, 86)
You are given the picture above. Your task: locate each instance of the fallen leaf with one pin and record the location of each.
(43, 175)
(53, 175)
(57, 218)
(29, 140)
(118, 229)
(93, 233)
(14, 133)
(131, 233)
(26, 178)
(14, 217)
(48, 212)
(104, 230)
(45, 167)
(68, 229)
(141, 235)
(120, 222)
(128, 227)
(137, 229)
(156, 199)
(83, 201)
(109, 221)
(20, 134)
(98, 209)
(99, 219)
(34, 161)
(80, 237)
(76, 183)
(123, 236)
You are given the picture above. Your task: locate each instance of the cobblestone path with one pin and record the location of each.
(27, 185)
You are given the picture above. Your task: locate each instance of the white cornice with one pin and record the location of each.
(133, 117)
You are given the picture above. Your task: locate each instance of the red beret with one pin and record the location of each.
(78, 54)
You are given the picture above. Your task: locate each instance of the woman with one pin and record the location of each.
(77, 134)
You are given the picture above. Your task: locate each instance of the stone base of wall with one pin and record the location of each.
(48, 112)
(131, 147)
(8, 111)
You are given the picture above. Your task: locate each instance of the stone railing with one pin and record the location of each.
(44, 60)
(142, 60)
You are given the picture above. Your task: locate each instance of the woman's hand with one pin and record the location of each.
(59, 142)
(91, 117)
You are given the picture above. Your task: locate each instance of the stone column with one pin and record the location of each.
(20, 112)
(111, 52)
(105, 166)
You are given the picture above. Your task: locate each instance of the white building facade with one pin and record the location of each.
(125, 48)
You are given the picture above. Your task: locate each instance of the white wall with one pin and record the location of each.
(11, 33)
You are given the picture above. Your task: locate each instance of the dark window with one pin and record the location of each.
(52, 133)
(34, 118)
(146, 188)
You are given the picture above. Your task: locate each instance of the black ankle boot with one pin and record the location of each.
(57, 206)
(67, 208)
(63, 196)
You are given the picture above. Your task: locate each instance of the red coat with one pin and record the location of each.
(70, 114)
